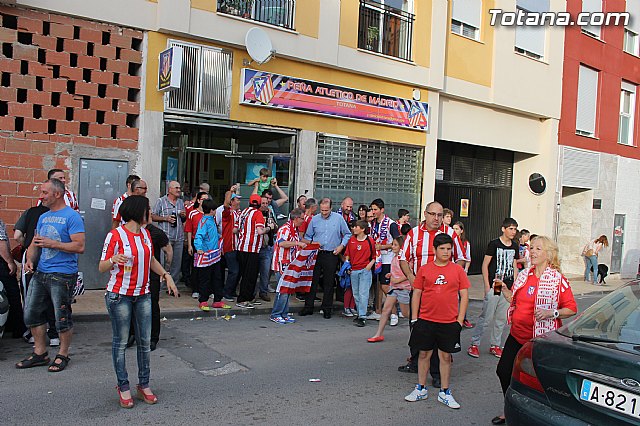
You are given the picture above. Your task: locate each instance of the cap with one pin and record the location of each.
(234, 195)
(255, 198)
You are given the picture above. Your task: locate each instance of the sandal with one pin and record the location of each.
(34, 360)
(56, 367)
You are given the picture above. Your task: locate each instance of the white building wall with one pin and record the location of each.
(627, 202)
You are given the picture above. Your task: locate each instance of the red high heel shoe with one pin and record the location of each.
(124, 403)
(149, 399)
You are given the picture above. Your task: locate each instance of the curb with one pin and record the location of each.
(213, 313)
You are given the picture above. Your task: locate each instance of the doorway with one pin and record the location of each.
(224, 155)
(100, 182)
(617, 247)
(480, 179)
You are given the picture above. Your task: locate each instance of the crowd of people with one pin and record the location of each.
(383, 269)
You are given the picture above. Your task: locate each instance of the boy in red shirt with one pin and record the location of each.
(361, 253)
(436, 317)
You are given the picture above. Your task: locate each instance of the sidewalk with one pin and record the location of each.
(90, 306)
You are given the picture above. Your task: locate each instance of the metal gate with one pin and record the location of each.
(617, 247)
(366, 170)
(482, 176)
(101, 181)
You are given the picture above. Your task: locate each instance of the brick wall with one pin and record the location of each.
(65, 83)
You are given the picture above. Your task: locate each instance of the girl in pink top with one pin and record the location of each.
(399, 289)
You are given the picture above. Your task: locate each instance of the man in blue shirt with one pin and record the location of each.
(58, 241)
(332, 233)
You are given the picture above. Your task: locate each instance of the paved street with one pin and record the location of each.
(250, 371)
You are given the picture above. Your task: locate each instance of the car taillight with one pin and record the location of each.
(523, 370)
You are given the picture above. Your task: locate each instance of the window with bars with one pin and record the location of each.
(274, 12)
(205, 81)
(365, 170)
(627, 112)
(386, 27)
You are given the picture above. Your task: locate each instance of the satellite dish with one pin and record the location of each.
(259, 45)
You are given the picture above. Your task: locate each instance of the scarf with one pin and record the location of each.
(380, 232)
(547, 296)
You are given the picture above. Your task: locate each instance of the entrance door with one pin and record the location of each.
(482, 176)
(101, 181)
(222, 156)
(618, 243)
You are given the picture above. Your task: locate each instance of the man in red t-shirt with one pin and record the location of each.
(437, 318)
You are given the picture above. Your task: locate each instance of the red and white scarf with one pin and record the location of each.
(547, 296)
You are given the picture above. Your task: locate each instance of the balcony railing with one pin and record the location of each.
(274, 12)
(385, 29)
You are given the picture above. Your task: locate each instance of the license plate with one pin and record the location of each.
(612, 398)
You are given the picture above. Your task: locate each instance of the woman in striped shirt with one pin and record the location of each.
(128, 253)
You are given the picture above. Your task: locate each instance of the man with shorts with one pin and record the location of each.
(437, 318)
(58, 241)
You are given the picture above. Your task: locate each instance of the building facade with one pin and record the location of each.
(409, 100)
(598, 136)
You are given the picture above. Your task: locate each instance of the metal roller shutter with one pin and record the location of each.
(366, 170)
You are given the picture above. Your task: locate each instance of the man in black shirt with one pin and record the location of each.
(500, 263)
(160, 242)
(15, 320)
(23, 232)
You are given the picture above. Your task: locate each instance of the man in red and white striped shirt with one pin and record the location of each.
(116, 220)
(228, 220)
(287, 243)
(70, 198)
(283, 254)
(252, 227)
(132, 277)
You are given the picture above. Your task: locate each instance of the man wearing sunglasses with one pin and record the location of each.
(418, 250)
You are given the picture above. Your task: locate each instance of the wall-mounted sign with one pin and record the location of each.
(265, 89)
(439, 174)
(464, 207)
(170, 68)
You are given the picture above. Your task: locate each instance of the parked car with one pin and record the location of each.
(586, 372)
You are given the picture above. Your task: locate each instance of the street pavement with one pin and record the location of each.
(248, 370)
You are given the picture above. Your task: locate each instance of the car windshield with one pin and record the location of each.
(615, 318)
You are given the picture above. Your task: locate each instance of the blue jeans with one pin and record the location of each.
(120, 309)
(591, 266)
(233, 268)
(360, 285)
(281, 302)
(45, 289)
(266, 255)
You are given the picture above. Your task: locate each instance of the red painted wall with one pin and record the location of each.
(605, 55)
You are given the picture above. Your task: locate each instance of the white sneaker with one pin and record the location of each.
(400, 314)
(447, 399)
(54, 342)
(347, 312)
(394, 320)
(354, 312)
(373, 316)
(417, 395)
(195, 295)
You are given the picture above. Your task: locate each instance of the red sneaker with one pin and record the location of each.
(473, 351)
(495, 351)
